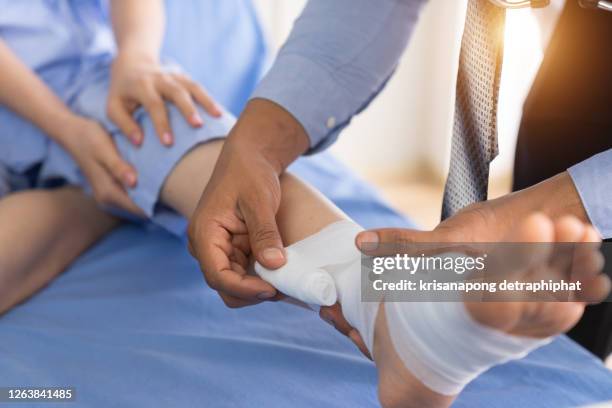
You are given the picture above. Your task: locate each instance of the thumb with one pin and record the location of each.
(266, 242)
(391, 241)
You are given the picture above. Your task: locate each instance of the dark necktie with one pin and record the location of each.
(474, 143)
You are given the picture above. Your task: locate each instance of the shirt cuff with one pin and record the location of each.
(296, 83)
(592, 180)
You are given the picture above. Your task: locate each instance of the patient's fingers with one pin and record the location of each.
(156, 108)
(120, 114)
(111, 194)
(175, 93)
(201, 97)
(118, 168)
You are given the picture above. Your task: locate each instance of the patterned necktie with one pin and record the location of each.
(474, 143)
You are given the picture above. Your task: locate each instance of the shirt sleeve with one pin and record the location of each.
(592, 180)
(338, 57)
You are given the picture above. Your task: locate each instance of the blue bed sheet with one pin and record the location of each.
(132, 324)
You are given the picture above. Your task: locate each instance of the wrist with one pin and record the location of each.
(70, 125)
(555, 197)
(561, 198)
(268, 129)
(131, 52)
(73, 127)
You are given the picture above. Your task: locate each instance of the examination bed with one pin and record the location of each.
(132, 324)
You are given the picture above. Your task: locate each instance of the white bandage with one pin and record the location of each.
(303, 277)
(439, 342)
(445, 348)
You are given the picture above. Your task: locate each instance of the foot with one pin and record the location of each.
(398, 387)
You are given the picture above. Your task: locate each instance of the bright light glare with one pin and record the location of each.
(523, 54)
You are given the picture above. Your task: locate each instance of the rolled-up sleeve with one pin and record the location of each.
(338, 57)
(592, 179)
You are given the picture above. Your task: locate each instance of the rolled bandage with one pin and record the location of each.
(304, 276)
(299, 279)
(445, 348)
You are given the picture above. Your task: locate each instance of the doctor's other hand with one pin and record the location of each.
(242, 199)
(138, 80)
(108, 174)
(487, 221)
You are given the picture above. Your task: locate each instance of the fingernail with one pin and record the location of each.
(130, 179)
(167, 138)
(137, 138)
(367, 241)
(196, 120)
(265, 295)
(218, 112)
(273, 255)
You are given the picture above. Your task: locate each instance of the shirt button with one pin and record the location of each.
(331, 122)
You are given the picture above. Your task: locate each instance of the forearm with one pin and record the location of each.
(138, 26)
(23, 92)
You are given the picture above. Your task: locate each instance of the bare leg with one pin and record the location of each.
(42, 233)
(186, 183)
(398, 387)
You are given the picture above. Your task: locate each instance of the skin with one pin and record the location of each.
(138, 79)
(36, 217)
(57, 226)
(243, 196)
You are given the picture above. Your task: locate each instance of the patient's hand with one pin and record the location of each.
(106, 171)
(139, 81)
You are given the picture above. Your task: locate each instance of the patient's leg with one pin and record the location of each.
(41, 233)
(184, 187)
(518, 326)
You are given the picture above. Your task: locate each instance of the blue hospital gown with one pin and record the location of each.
(70, 45)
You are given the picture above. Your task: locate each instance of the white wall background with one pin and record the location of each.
(406, 131)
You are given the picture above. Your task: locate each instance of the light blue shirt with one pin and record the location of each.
(592, 180)
(341, 54)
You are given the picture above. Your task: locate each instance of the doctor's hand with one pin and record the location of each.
(138, 80)
(488, 221)
(240, 202)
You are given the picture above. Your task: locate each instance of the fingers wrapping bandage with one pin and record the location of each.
(301, 280)
(439, 342)
(303, 276)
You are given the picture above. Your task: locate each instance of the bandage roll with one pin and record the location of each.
(301, 280)
(304, 276)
